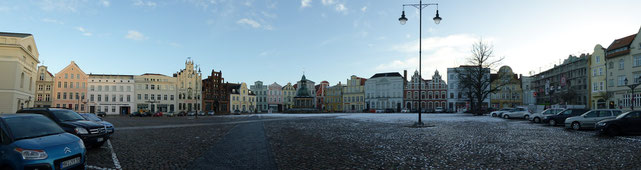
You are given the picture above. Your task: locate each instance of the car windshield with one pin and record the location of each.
(31, 127)
(66, 115)
(566, 112)
(90, 116)
(627, 113)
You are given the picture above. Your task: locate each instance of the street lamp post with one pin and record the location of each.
(632, 86)
(403, 20)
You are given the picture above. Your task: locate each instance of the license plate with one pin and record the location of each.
(69, 163)
(99, 139)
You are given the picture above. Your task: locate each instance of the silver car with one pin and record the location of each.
(537, 117)
(589, 119)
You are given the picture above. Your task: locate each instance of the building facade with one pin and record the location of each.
(458, 99)
(44, 87)
(242, 99)
(623, 58)
(188, 81)
(18, 67)
(215, 95)
(155, 92)
(385, 91)
(275, 97)
(261, 96)
(354, 95)
(112, 94)
(70, 88)
(528, 91)
(598, 86)
(304, 99)
(509, 92)
(320, 94)
(310, 86)
(432, 93)
(334, 98)
(564, 84)
(289, 92)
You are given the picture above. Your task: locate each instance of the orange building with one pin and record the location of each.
(70, 88)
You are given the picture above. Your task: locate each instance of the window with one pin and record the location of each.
(47, 97)
(611, 65)
(637, 61)
(621, 81)
(600, 86)
(113, 109)
(91, 97)
(146, 96)
(107, 97)
(66, 75)
(40, 87)
(64, 95)
(99, 98)
(611, 83)
(153, 97)
(91, 88)
(165, 97)
(122, 98)
(600, 71)
(594, 87)
(598, 59)
(172, 97)
(113, 98)
(99, 88)
(594, 72)
(59, 84)
(58, 95)
(621, 64)
(71, 85)
(139, 97)
(65, 85)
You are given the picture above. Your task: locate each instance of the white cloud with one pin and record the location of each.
(135, 35)
(254, 24)
(328, 2)
(60, 5)
(143, 3)
(105, 3)
(49, 20)
(341, 8)
(305, 3)
(247, 3)
(84, 31)
(364, 9)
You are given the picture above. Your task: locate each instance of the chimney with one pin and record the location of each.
(405, 75)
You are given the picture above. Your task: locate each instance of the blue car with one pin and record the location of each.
(94, 118)
(31, 141)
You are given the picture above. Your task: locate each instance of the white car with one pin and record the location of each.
(518, 112)
(438, 110)
(500, 112)
(405, 111)
(538, 117)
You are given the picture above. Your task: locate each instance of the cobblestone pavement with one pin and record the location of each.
(360, 141)
(244, 147)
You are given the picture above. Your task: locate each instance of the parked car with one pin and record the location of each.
(589, 119)
(201, 113)
(405, 111)
(33, 141)
(182, 113)
(91, 133)
(191, 114)
(389, 111)
(101, 114)
(561, 116)
(438, 110)
(170, 114)
(626, 123)
(157, 114)
(537, 117)
(518, 112)
(135, 114)
(499, 113)
(210, 113)
(380, 111)
(146, 114)
(94, 118)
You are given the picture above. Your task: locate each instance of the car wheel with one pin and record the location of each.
(613, 131)
(552, 122)
(576, 125)
(537, 120)
(506, 116)
(526, 117)
(494, 115)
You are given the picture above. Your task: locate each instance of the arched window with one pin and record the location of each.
(21, 80)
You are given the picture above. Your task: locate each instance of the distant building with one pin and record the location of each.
(17, 71)
(70, 88)
(354, 95)
(304, 100)
(528, 91)
(310, 87)
(44, 87)
(320, 94)
(215, 95)
(112, 94)
(189, 88)
(275, 97)
(334, 98)
(155, 92)
(242, 100)
(385, 91)
(624, 61)
(432, 93)
(509, 93)
(289, 92)
(598, 76)
(261, 96)
(458, 99)
(565, 84)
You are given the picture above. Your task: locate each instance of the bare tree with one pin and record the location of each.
(474, 79)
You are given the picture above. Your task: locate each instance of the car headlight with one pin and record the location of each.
(601, 124)
(81, 131)
(81, 143)
(29, 154)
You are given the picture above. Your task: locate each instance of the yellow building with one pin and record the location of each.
(189, 87)
(242, 100)
(598, 87)
(623, 58)
(18, 61)
(334, 98)
(289, 92)
(509, 92)
(70, 88)
(44, 87)
(354, 94)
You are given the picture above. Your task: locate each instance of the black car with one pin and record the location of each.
(559, 118)
(91, 133)
(626, 123)
(101, 114)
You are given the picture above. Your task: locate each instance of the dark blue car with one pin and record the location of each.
(31, 141)
(94, 118)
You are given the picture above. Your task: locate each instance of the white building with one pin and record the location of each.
(385, 91)
(112, 94)
(260, 91)
(156, 92)
(457, 99)
(528, 90)
(18, 61)
(275, 97)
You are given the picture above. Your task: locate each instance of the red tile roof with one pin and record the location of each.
(620, 43)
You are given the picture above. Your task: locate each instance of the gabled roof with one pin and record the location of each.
(390, 74)
(620, 43)
(19, 35)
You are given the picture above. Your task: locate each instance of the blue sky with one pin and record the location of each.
(275, 41)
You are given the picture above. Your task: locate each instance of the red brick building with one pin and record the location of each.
(433, 92)
(215, 93)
